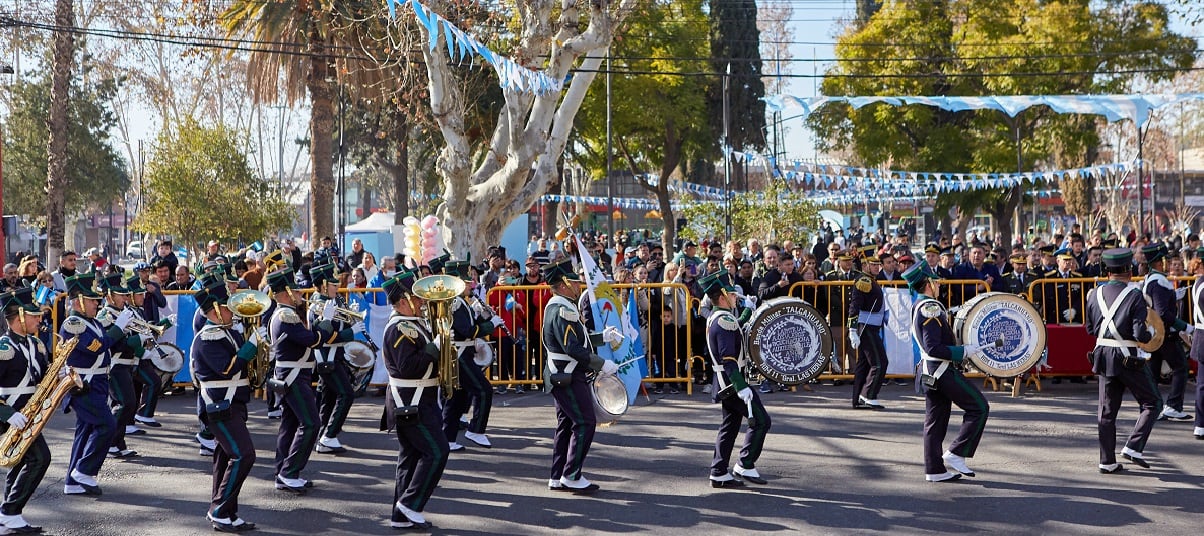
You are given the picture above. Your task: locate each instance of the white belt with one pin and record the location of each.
(118, 361)
(564, 358)
(89, 372)
(460, 345)
(18, 391)
(419, 385)
(231, 386)
(940, 370)
(1199, 326)
(870, 318)
(1113, 343)
(296, 367)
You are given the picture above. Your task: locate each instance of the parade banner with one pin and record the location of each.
(608, 313)
(897, 332)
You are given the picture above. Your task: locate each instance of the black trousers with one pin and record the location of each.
(335, 396)
(871, 364)
(576, 423)
(952, 388)
(1140, 382)
(23, 479)
(125, 402)
(734, 413)
(298, 428)
(1172, 354)
(474, 390)
(147, 387)
(232, 460)
(421, 459)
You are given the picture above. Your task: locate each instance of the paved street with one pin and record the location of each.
(831, 470)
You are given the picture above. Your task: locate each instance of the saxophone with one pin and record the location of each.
(51, 391)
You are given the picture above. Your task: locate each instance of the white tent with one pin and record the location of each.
(375, 222)
(378, 233)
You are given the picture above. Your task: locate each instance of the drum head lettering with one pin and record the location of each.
(1006, 317)
(789, 341)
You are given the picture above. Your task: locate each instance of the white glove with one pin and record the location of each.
(262, 333)
(438, 342)
(1180, 293)
(145, 339)
(328, 310)
(1069, 314)
(497, 321)
(972, 350)
(238, 328)
(358, 327)
(612, 335)
(1150, 330)
(124, 319)
(64, 371)
(750, 302)
(1190, 329)
(609, 367)
(854, 339)
(1142, 354)
(18, 419)
(746, 395)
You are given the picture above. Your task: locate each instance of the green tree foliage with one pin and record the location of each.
(96, 172)
(200, 185)
(735, 39)
(988, 47)
(774, 214)
(658, 120)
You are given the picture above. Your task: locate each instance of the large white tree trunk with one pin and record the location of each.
(480, 199)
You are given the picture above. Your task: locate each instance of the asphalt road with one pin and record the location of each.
(831, 470)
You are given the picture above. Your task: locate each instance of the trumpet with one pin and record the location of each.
(249, 306)
(341, 314)
(138, 325)
(439, 291)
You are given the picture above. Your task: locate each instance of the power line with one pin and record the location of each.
(1025, 74)
(908, 59)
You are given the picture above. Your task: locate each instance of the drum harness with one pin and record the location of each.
(306, 361)
(1109, 336)
(231, 385)
(741, 362)
(556, 357)
(86, 374)
(1197, 291)
(418, 385)
(924, 357)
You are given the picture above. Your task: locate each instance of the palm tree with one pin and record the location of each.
(295, 54)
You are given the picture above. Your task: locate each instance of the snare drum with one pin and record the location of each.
(360, 357)
(610, 398)
(483, 353)
(168, 359)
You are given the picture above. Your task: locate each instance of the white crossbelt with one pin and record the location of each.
(231, 386)
(119, 361)
(10, 392)
(924, 357)
(1109, 336)
(564, 358)
(296, 366)
(722, 378)
(1197, 291)
(419, 385)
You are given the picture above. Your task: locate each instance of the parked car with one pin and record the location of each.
(135, 251)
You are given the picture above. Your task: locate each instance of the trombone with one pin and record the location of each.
(249, 306)
(439, 291)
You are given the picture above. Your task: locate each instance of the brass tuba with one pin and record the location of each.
(439, 291)
(51, 391)
(249, 306)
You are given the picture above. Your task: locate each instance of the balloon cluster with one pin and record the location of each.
(423, 239)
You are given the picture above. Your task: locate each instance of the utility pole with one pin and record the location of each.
(610, 179)
(727, 160)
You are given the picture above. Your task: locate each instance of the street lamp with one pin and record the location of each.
(5, 69)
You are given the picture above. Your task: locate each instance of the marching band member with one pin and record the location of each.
(569, 354)
(467, 326)
(943, 383)
(23, 363)
(292, 343)
(273, 262)
(334, 378)
(1116, 314)
(219, 360)
(1160, 294)
(731, 390)
(208, 279)
(1196, 294)
(146, 378)
(867, 314)
(411, 355)
(125, 355)
(94, 421)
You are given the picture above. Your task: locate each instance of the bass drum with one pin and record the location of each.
(361, 359)
(1001, 316)
(789, 341)
(168, 360)
(610, 398)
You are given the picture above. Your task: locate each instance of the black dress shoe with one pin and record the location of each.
(280, 485)
(27, 529)
(1136, 460)
(588, 490)
(733, 483)
(754, 479)
(136, 432)
(1112, 471)
(859, 405)
(230, 527)
(1200, 437)
(91, 490)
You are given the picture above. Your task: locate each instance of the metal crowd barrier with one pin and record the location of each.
(518, 350)
(1064, 301)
